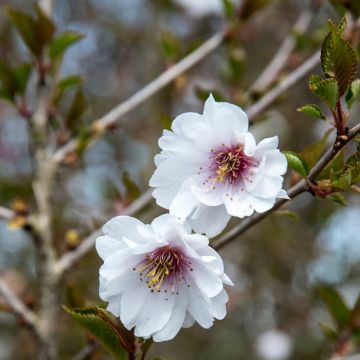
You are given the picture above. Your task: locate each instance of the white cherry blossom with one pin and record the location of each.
(160, 277)
(210, 168)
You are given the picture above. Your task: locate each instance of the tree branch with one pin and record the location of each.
(6, 213)
(279, 60)
(289, 81)
(296, 190)
(70, 258)
(17, 305)
(114, 115)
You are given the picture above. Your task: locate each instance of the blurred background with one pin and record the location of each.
(274, 310)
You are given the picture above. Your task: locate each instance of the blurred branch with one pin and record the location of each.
(86, 351)
(296, 190)
(279, 60)
(17, 305)
(70, 258)
(288, 81)
(114, 115)
(47, 6)
(6, 213)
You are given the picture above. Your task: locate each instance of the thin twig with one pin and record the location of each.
(6, 213)
(17, 305)
(114, 115)
(289, 81)
(296, 190)
(279, 60)
(47, 6)
(70, 258)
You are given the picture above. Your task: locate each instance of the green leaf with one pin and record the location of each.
(338, 59)
(105, 328)
(353, 164)
(26, 26)
(21, 77)
(229, 8)
(312, 110)
(84, 139)
(166, 121)
(61, 43)
(334, 167)
(13, 80)
(344, 180)
(45, 28)
(336, 306)
(77, 109)
(35, 32)
(250, 7)
(132, 190)
(325, 89)
(313, 152)
(342, 6)
(353, 92)
(338, 198)
(297, 163)
(66, 84)
(328, 332)
(290, 214)
(171, 45)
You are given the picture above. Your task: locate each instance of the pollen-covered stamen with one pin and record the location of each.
(232, 164)
(161, 265)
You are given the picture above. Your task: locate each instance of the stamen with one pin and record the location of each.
(162, 265)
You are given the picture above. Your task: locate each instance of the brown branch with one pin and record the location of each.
(17, 305)
(296, 190)
(70, 258)
(6, 213)
(114, 115)
(279, 60)
(288, 81)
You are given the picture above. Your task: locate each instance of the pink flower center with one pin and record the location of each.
(231, 164)
(164, 268)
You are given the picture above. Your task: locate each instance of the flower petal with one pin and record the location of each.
(209, 220)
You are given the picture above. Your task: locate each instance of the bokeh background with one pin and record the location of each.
(274, 309)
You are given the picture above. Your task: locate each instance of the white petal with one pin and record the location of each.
(275, 162)
(218, 308)
(198, 308)
(261, 205)
(155, 314)
(124, 226)
(226, 280)
(132, 303)
(209, 220)
(249, 144)
(214, 261)
(239, 205)
(210, 195)
(268, 187)
(189, 321)
(114, 305)
(184, 202)
(175, 322)
(106, 246)
(197, 241)
(282, 195)
(268, 144)
(188, 125)
(207, 281)
(225, 117)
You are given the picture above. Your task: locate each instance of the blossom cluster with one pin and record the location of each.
(161, 277)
